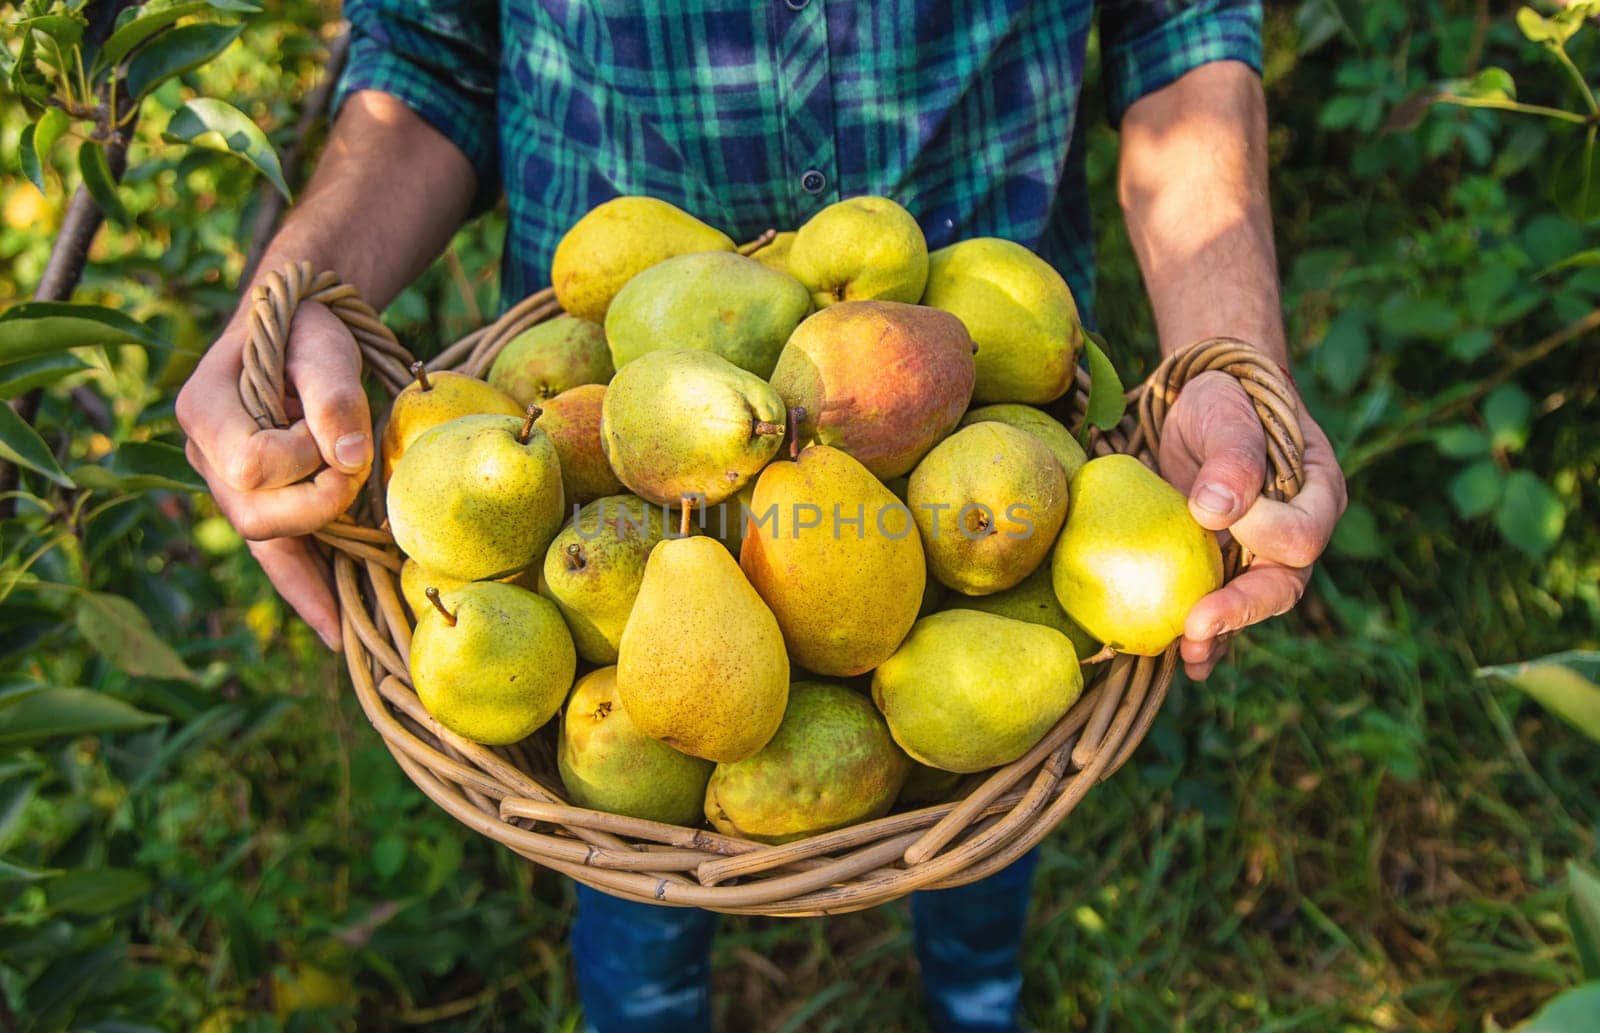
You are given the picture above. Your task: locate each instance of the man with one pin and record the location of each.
(757, 113)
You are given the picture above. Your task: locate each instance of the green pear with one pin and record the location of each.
(554, 356)
(594, 567)
(968, 691)
(877, 379)
(1020, 312)
(1040, 424)
(1034, 600)
(775, 254)
(607, 764)
(713, 301)
(926, 786)
(478, 497)
(415, 580)
(1131, 561)
(832, 763)
(689, 424)
(572, 419)
(432, 399)
(836, 557)
(617, 240)
(988, 501)
(491, 662)
(701, 666)
(861, 249)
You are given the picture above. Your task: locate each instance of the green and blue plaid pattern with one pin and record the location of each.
(757, 114)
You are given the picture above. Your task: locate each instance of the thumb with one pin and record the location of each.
(325, 367)
(1233, 460)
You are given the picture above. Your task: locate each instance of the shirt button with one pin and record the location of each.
(812, 181)
(796, 5)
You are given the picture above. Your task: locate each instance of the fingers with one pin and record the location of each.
(294, 509)
(1201, 658)
(1263, 591)
(1219, 453)
(303, 581)
(1294, 533)
(241, 454)
(324, 365)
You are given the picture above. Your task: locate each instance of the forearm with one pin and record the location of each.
(388, 192)
(1193, 187)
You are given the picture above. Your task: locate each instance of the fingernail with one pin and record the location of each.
(1213, 498)
(353, 450)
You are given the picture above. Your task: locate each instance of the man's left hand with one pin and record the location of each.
(1213, 449)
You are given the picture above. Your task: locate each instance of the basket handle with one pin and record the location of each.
(273, 302)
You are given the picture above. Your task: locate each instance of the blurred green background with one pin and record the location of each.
(1347, 828)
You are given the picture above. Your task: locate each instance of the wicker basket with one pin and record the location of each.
(513, 794)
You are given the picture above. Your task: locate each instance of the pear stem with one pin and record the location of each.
(683, 521)
(575, 557)
(420, 371)
(533, 413)
(765, 427)
(1106, 653)
(797, 415)
(438, 604)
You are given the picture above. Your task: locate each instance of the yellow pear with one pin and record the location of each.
(1019, 311)
(551, 357)
(861, 249)
(702, 666)
(1040, 424)
(836, 557)
(478, 497)
(594, 567)
(432, 399)
(832, 763)
(607, 764)
(775, 254)
(618, 239)
(415, 580)
(689, 424)
(491, 662)
(1131, 561)
(968, 691)
(1034, 601)
(988, 500)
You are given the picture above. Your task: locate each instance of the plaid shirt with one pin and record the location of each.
(755, 114)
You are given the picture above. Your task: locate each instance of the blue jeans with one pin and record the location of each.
(643, 968)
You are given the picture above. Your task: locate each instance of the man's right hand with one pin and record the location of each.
(259, 478)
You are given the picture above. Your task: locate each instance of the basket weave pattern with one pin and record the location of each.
(513, 794)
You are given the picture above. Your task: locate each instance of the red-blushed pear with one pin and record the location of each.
(572, 419)
(836, 557)
(551, 357)
(880, 380)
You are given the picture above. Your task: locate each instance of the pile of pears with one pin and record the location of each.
(776, 541)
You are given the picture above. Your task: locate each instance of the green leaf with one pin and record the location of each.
(1508, 410)
(388, 854)
(1462, 441)
(1475, 491)
(142, 466)
(1489, 84)
(153, 17)
(176, 52)
(1471, 344)
(1571, 1011)
(1357, 533)
(218, 125)
(22, 445)
(1106, 401)
(1564, 683)
(16, 792)
(1429, 318)
(120, 631)
(66, 30)
(1588, 259)
(12, 872)
(1530, 516)
(97, 179)
(1341, 358)
(45, 327)
(29, 158)
(52, 713)
(94, 891)
(1539, 29)
(1583, 917)
(18, 378)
